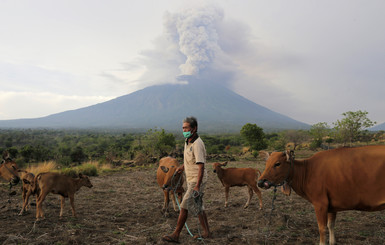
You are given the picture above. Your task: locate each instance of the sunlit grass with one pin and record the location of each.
(43, 167)
(90, 168)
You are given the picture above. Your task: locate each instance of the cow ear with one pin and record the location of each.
(264, 155)
(224, 164)
(286, 189)
(26, 181)
(5, 155)
(290, 155)
(164, 169)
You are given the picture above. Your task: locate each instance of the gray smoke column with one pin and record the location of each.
(195, 33)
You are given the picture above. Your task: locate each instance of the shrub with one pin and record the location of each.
(69, 172)
(88, 169)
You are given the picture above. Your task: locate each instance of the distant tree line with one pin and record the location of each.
(72, 147)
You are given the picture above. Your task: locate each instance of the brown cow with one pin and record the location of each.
(9, 170)
(58, 184)
(28, 189)
(238, 177)
(333, 180)
(169, 180)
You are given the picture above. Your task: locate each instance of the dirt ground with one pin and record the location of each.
(124, 207)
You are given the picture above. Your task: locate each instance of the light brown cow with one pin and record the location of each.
(169, 180)
(60, 184)
(27, 189)
(9, 170)
(238, 177)
(333, 180)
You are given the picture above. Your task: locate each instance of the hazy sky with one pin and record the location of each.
(310, 60)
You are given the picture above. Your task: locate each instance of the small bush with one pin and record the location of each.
(87, 169)
(69, 172)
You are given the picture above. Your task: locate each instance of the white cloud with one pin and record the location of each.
(31, 105)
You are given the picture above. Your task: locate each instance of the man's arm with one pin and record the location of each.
(200, 175)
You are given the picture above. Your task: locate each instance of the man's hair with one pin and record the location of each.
(192, 121)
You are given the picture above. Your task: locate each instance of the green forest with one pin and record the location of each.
(73, 147)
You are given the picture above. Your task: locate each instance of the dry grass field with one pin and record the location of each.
(124, 207)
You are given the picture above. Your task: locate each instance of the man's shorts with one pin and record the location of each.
(188, 195)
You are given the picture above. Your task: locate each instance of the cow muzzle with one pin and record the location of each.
(265, 184)
(15, 180)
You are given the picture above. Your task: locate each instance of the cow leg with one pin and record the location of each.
(250, 196)
(25, 201)
(227, 188)
(62, 202)
(331, 222)
(259, 194)
(24, 204)
(39, 202)
(28, 205)
(180, 196)
(322, 216)
(173, 201)
(166, 202)
(72, 201)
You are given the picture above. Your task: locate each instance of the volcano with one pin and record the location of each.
(217, 108)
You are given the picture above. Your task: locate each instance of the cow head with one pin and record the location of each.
(9, 170)
(172, 177)
(277, 169)
(218, 166)
(85, 181)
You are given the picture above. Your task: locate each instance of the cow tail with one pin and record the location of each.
(35, 186)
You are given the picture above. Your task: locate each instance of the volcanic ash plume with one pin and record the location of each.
(194, 31)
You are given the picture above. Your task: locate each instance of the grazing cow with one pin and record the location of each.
(58, 184)
(9, 170)
(332, 180)
(238, 177)
(28, 189)
(169, 180)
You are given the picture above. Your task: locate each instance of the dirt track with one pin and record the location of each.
(124, 208)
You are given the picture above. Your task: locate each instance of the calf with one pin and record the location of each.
(58, 184)
(238, 177)
(169, 180)
(27, 188)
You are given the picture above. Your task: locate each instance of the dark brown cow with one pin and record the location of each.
(168, 180)
(238, 177)
(333, 180)
(9, 170)
(28, 189)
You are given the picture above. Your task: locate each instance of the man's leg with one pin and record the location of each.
(205, 225)
(174, 237)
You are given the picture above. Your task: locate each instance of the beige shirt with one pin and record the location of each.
(193, 153)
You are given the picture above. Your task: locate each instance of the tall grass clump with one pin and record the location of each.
(87, 168)
(49, 166)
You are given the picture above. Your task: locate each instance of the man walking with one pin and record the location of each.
(196, 177)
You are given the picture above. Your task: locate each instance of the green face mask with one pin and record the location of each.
(187, 134)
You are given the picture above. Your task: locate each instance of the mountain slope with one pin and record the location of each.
(216, 107)
(378, 127)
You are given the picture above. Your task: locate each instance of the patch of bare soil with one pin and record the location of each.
(125, 208)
